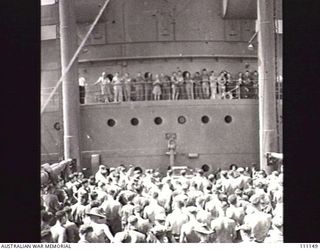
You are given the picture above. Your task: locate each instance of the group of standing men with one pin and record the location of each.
(180, 85)
(128, 205)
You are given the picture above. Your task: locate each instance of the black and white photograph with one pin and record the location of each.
(161, 121)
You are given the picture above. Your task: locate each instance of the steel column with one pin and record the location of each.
(70, 87)
(267, 81)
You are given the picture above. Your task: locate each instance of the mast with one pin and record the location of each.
(267, 81)
(70, 88)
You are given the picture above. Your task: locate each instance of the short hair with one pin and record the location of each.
(111, 191)
(84, 229)
(179, 203)
(46, 235)
(84, 181)
(222, 197)
(232, 199)
(45, 216)
(93, 195)
(155, 195)
(95, 204)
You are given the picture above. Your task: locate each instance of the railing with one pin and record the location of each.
(145, 92)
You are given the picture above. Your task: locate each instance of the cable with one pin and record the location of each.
(74, 56)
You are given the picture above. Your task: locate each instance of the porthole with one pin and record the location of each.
(205, 119)
(182, 120)
(111, 122)
(205, 168)
(57, 126)
(158, 120)
(228, 119)
(134, 121)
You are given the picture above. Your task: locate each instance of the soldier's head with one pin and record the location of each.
(169, 172)
(179, 204)
(86, 232)
(211, 177)
(97, 215)
(92, 180)
(61, 216)
(132, 221)
(46, 236)
(85, 183)
(200, 172)
(232, 199)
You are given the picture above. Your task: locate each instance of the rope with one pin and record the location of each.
(75, 56)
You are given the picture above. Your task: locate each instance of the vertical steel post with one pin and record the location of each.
(267, 81)
(70, 87)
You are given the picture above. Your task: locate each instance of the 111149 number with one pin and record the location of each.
(308, 245)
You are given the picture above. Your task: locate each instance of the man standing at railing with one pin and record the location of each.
(255, 79)
(148, 86)
(127, 87)
(117, 86)
(139, 86)
(156, 88)
(189, 86)
(239, 84)
(82, 91)
(229, 85)
(175, 86)
(197, 86)
(205, 84)
(104, 87)
(222, 80)
(213, 85)
(165, 80)
(181, 88)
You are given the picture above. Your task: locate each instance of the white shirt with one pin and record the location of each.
(82, 81)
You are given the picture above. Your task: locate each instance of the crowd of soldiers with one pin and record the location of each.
(179, 85)
(130, 205)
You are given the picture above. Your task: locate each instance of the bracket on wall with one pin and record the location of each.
(171, 136)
